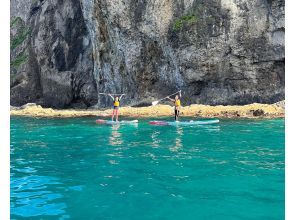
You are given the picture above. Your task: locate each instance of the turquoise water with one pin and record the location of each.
(75, 169)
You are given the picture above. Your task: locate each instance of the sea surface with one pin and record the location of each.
(77, 169)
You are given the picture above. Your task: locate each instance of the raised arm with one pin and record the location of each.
(121, 96)
(111, 96)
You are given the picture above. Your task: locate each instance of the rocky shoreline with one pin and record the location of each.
(254, 110)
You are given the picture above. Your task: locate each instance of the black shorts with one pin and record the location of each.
(115, 107)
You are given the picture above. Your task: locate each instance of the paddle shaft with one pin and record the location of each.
(169, 95)
(100, 93)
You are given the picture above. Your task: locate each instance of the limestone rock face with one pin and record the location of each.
(216, 51)
(57, 69)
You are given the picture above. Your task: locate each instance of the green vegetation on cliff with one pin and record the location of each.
(14, 21)
(21, 33)
(19, 38)
(178, 24)
(20, 59)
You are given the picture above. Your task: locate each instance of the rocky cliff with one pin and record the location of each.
(63, 52)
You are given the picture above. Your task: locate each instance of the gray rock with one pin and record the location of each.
(14, 108)
(217, 52)
(28, 105)
(281, 104)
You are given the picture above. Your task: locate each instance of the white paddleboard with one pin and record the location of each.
(109, 122)
(197, 122)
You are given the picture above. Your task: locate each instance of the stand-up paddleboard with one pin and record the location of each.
(199, 122)
(109, 122)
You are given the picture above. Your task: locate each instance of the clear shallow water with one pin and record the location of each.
(75, 169)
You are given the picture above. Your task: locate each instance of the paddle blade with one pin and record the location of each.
(155, 103)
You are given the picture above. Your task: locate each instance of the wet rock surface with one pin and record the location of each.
(218, 52)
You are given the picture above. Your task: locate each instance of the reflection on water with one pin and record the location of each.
(115, 136)
(155, 138)
(178, 140)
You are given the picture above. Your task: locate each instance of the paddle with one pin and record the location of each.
(101, 93)
(157, 101)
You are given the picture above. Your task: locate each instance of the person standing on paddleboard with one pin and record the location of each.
(116, 102)
(177, 102)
